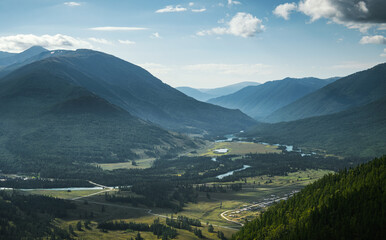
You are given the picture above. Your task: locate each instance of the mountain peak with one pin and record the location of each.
(34, 50)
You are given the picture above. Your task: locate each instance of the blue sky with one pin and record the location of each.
(208, 43)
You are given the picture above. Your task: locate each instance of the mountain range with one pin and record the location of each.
(260, 101)
(204, 94)
(46, 116)
(7, 59)
(356, 125)
(138, 92)
(354, 90)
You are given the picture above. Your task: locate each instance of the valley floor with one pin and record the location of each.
(225, 211)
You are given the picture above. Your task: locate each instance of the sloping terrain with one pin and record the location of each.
(44, 116)
(354, 90)
(260, 101)
(141, 94)
(359, 131)
(346, 205)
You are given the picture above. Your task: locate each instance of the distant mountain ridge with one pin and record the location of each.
(138, 92)
(204, 94)
(359, 131)
(46, 118)
(7, 59)
(260, 101)
(351, 91)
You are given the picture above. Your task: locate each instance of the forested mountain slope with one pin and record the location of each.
(46, 117)
(354, 90)
(260, 101)
(360, 131)
(350, 204)
(141, 94)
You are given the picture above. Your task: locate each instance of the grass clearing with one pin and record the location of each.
(63, 194)
(238, 148)
(140, 164)
(207, 210)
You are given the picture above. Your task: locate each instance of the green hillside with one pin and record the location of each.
(135, 90)
(260, 101)
(45, 118)
(346, 205)
(360, 131)
(354, 90)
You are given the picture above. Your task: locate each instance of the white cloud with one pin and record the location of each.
(191, 4)
(317, 9)
(354, 14)
(109, 28)
(72, 4)
(384, 53)
(230, 69)
(171, 8)
(231, 2)
(362, 7)
(21, 42)
(100, 40)
(155, 35)
(284, 10)
(127, 42)
(382, 26)
(199, 10)
(242, 24)
(377, 39)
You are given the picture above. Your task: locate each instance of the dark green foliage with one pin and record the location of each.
(260, 101)
(354, 90)
(198, 233)
(346, 205)
(30, 217)
(140, 93)
(43, 183)
(45, 118)
(183, 222)
(220, 235)
(359, 131)
(138, 237)
(79, 226)
(210, 228)
(158, 229)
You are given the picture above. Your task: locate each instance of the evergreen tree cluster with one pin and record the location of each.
(350, 204)
(158, 229)
(31, 216)
(183, 222)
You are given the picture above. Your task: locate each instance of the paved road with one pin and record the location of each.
(148, 211)
(261, 204)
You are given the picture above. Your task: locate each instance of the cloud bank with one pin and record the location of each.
(171, 8)
(241, 25)
(72, 4)
(354, 14)
(284, 10)
(377, 39)
(21, 42)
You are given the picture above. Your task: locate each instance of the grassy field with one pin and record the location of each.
(207, 210)
(237, 148)
(95, 233)
(64, 194)
(255, 190)
(140, 164)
